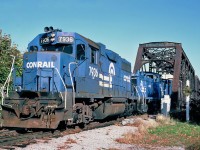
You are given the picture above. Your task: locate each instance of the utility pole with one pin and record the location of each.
(188, 102)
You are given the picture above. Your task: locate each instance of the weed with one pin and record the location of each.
(66, 146)
(164, 120)
(69, 141)
(164, 132)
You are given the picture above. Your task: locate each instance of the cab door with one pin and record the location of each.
(81, 70)
(81, 58)
(93, 70)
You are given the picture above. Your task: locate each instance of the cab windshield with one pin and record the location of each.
(66, 48)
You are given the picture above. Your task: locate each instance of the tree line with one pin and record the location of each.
(7, 51)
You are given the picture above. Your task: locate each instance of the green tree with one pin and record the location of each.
(7, 50)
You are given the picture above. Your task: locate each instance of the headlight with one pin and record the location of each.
(52, 39)
(53, 35)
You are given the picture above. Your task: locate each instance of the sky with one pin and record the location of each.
(119, 24)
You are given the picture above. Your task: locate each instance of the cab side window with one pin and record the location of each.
(80, 52)
(33, 48)
(93, 55)
(67, 49)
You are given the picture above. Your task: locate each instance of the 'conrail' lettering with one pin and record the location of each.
(40, 64)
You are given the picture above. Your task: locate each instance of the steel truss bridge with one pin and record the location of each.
(168, 59)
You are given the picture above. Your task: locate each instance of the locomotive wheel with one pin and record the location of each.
(21, 131)
(82, 125)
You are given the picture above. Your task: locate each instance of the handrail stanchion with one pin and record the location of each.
(7, 80)
(64, 87)
(73, 91)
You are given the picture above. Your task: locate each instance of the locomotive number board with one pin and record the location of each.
(65, 39)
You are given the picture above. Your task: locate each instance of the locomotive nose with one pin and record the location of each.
(41, 67)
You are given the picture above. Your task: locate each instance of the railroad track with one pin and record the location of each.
(12, 139)
(5, 132)
(9, 139)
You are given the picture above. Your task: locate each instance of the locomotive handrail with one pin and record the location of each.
(62, 83)
(64, 87)
(162, 91)
(137, 92)
(143, 99)
(7, 80)
(73, 91)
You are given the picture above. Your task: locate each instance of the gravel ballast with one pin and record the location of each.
(102, 138)
(96, 139)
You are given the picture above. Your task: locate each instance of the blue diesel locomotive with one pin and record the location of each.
(69, 79)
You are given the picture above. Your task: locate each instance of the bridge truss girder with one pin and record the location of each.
(167, 58)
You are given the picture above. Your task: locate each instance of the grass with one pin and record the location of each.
(165, 132)
(176, 135)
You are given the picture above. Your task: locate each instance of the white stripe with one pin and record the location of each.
(127, 78)
(105, 84)
(106, 78)
(101, 76)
